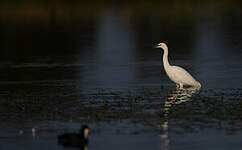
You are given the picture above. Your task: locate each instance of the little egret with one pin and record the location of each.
(177, 74)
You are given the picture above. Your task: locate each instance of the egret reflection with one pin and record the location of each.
(175, 97)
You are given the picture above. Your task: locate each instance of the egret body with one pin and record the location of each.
(177, 74)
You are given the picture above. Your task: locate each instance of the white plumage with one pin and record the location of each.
(177, 74)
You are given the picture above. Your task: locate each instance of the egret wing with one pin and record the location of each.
(182, 76)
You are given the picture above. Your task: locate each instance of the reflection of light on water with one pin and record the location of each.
(113, 54)
(176, 97)
(115, 47)
(210, 46)
(85, 148)
(33, 132)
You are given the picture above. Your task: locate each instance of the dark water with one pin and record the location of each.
(63, 64)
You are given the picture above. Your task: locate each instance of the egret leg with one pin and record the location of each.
(180, 85)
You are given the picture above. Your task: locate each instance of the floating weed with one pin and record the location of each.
(222, 96)
(204, 109)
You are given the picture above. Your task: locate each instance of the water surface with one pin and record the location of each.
(63, 64)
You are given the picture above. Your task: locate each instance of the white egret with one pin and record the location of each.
(177, 74)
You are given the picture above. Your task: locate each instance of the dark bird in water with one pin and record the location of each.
(75, 139)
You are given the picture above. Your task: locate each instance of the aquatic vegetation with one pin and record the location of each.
(205, 109)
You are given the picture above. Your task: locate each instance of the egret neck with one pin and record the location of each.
(165, 58)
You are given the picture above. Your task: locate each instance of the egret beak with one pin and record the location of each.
(156, 46)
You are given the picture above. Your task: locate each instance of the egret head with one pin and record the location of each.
(161, 45)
